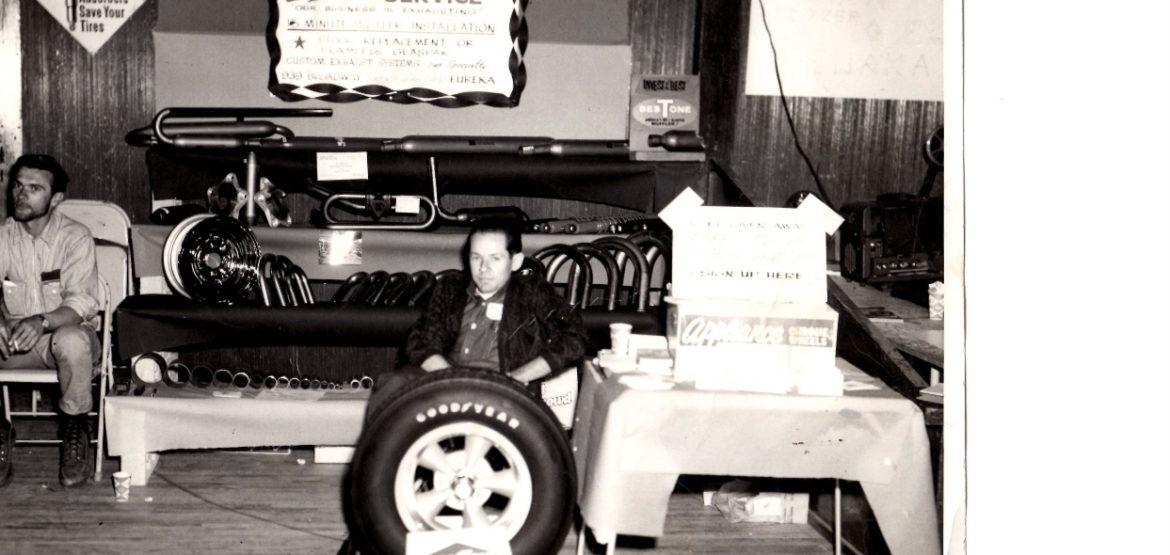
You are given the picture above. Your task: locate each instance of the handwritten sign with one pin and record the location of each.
(91, 22)
(760, 254)
(450, 53)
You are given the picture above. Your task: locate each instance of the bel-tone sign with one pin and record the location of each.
(91, 22)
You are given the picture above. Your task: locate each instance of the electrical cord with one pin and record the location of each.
(242, 512)
(787, 113)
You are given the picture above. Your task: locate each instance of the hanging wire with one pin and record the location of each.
(787, 113)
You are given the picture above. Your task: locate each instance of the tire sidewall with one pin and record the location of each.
(453, 397)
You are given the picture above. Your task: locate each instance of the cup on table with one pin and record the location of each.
(121, 486)
(936, 295)
(619, 337)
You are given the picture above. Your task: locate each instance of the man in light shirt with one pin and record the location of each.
(49, 306)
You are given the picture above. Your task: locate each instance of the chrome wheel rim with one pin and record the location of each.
(463, 475)
(171, 248)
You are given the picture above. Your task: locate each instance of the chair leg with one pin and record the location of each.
(101, 432)
(837, 516)
(7, 411)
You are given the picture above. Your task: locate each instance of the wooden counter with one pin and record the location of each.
(905, 324)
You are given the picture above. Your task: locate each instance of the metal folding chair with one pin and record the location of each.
(110, 227)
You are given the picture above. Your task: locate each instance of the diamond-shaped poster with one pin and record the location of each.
(91, 22)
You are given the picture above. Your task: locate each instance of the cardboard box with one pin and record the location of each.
(729, 344)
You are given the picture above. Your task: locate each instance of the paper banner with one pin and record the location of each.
(91, 22)
(451, 54)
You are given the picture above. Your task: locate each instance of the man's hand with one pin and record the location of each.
(20, 336)
(434, 363)
(5, 336)
(532, 370)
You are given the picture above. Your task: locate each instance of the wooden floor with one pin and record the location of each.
(236, 502)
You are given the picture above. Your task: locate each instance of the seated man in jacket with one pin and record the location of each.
(492, 318)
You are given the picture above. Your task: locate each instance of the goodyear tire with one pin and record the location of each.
(462, 448)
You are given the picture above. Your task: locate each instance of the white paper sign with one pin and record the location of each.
(847, 49)
(458, 541)
(91, 22)
(449, 53)
(406, 204)
(820, 212)
(339, 166)
(560, 394)
(774, 255)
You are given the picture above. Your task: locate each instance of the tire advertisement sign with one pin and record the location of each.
(450, 53)
(91, 22)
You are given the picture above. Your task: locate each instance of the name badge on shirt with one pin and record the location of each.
(495, 311)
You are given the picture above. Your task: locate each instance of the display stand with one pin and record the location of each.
(632, 444)
(139, 428)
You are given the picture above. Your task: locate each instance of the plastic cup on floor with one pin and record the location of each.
(121, 486)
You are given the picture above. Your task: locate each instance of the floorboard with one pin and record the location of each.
(237, 502)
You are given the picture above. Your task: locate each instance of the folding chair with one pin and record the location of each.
(110, 227)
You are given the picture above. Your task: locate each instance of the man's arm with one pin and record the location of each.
(435, 363)
(426, 345)
(534, 369)
(79, 286)
(20, 335)
(5, 338)
(79, 283)
(565, 333)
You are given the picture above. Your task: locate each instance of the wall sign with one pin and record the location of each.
(450, 53)
(660, 105)
(91, 22)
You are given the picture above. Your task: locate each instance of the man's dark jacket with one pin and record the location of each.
(536, 322)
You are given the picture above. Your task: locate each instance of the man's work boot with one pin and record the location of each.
(75, 465)
(7, 450)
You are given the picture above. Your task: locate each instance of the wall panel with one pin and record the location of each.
(78, 107)
(662, 35)
(859, 147)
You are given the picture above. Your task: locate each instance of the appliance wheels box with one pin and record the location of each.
(748, 346)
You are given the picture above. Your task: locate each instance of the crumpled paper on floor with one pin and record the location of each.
(738, 501)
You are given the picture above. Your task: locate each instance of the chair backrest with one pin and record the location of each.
(578, 277)
(110, 227)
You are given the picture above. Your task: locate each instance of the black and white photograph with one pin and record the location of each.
(582, 277)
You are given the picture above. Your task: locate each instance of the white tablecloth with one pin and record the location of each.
(140, 427)
(631, 445)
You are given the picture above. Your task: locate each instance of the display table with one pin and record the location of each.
(138, 428)
(631, 445)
